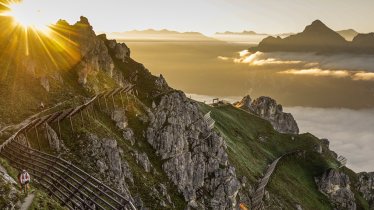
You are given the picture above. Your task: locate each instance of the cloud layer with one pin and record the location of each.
(355, 67)
(350, 132)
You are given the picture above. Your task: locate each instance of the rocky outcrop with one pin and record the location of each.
(104, 158)
(245, 103)
(143, 160)
(94, 53)
(366, 187)
(10, 197)
(268, 109)
(121, 51)
(194, 157)
(54, 142)
(336, 186)
(119, 116)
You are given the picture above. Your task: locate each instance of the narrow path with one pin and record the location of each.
(28, 201)
(257, 198)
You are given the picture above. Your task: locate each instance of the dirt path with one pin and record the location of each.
(28, 201)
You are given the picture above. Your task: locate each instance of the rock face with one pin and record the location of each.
(104, 157)
(54, 142)
(245, 103)
(143, 160)
(336, 186)
(366, 187)
(9, 195)
(194, 157)
(94, 52)
(268, 109)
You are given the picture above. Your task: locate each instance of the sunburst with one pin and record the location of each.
(29, 31)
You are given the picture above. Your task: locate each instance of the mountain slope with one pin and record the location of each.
(154, 145)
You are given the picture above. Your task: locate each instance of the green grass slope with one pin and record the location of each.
(253, 144)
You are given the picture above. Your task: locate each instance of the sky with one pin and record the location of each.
(210, 16)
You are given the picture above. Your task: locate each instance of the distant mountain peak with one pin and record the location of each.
(318, 26)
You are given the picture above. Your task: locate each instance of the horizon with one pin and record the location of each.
(239, 16)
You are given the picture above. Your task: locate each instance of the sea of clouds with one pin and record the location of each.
(350, 132)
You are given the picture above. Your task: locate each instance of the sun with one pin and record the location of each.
(28, 16)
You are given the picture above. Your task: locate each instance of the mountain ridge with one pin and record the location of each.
(317, 37)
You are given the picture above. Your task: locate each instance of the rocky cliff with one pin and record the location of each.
(194, 157)
(366, 187)
(267, 108)
(337, 187)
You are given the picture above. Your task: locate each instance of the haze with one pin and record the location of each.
(210, 16)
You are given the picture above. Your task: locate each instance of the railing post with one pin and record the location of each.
(71, 124)
(37, 136)
(123, 105)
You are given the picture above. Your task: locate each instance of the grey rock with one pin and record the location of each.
(94, 53)
(298, 207)
(195, 159)
(143, 160)
(104, 159)
(268, 109)
(119, 116)
(336, 186)
(366, 187)
(54, 142)
(161, 82)
(128, 134)
(121, 51)
(9, 194)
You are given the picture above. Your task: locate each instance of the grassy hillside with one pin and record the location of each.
(253, 144)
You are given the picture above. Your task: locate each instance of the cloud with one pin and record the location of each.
(317, 72)
(364, 76)
(350, 132)
(223, 58)
(355, 67)
(261, 59)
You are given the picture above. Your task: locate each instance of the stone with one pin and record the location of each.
(336, 186)
(128, 134)
(119, 116)
(143, 160)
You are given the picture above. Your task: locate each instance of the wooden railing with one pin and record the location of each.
(71, 186)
